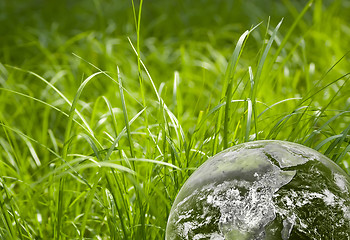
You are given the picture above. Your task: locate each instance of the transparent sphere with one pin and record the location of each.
(263, 190)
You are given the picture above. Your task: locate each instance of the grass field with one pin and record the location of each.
(107, 107)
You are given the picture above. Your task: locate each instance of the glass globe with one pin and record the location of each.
(263, 190)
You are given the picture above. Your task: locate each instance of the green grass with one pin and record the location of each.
(106, 108)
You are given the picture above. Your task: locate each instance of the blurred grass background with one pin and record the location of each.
(49, 47)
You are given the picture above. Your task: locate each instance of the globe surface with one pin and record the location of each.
(263, 190)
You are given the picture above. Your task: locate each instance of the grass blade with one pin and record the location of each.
(125, 113)
(228, 81)
(249, 120)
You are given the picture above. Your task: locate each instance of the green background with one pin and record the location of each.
(87, 153)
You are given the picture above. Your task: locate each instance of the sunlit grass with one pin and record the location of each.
(99, 129)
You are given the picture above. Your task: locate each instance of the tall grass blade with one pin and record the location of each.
(258, 74)
(125, 113)
(73, 110)
(249, 120)
(228, 81)
(110, 108)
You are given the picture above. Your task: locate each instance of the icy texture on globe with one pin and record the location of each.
(263, 190)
